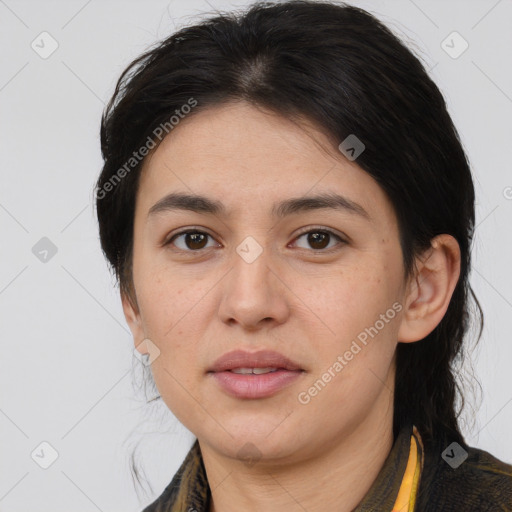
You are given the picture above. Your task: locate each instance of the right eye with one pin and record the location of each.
(192, 240)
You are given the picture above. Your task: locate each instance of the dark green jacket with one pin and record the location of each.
(480, 483)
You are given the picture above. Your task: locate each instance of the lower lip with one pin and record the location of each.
(255, 386)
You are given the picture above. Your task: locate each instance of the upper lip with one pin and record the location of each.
(260, 359)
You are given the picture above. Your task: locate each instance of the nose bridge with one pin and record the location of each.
(252, 292)
(251, 269)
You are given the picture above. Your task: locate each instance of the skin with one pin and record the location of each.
(306, 301)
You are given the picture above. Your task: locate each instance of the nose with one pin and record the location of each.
(254, 294)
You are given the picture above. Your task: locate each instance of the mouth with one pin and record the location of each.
(246, 375)
(262, 361)
(254, 371)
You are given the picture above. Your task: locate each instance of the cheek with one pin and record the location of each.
(164, 300)
(357, 305)
(352, 299)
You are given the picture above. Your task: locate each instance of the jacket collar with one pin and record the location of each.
(393, 490)
(396, 485)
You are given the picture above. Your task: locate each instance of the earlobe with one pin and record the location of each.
(430, 289)
(133, 319)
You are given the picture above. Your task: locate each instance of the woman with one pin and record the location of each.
(289, 211)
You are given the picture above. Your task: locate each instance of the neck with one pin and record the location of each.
(338, 477)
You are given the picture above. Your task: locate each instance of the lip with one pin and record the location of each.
(260, 359)
(251, 385)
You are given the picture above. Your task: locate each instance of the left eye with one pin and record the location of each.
(319, 238)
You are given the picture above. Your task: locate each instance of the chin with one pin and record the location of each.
(256, 442)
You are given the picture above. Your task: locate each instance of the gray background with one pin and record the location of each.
(65, 370)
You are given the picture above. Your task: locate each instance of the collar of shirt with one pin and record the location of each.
(394, 490)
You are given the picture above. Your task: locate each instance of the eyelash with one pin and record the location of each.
(309, 230)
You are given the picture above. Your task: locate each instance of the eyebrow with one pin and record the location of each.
(201, 204)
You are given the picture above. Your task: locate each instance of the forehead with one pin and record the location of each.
(241, 157)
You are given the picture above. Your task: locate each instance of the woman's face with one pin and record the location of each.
(255, 276)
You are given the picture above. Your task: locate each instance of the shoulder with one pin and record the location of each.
(465, 478)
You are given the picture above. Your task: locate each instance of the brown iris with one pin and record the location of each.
(195, 240)
(318, 239)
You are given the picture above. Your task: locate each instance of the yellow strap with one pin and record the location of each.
(406, 497)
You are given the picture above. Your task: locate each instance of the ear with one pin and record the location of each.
(430, 289)
(132, 315)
